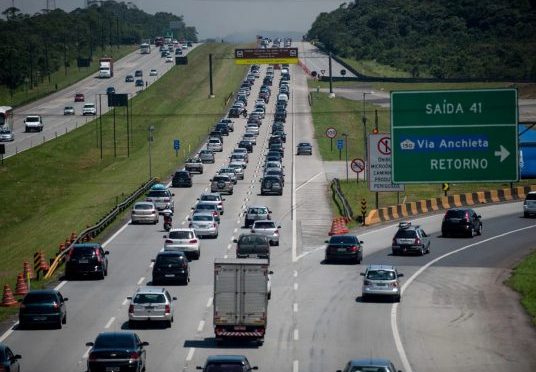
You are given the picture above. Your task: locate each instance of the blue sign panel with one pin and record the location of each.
(176, 144)
(340, 144)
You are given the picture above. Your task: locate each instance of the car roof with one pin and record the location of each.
(257, 206)
(144, 202)
(381, 267)
(150, 290)
(263, 221)
(43, 291)
(211, 193)
(203, 214)
(226, 358)
(170, 253)
(86, 245)
(181, 229)
(377, 362)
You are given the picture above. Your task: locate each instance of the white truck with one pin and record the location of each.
(241, 288)
(106, 68)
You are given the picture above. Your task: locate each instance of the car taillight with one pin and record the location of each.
(168, 241)
(70, 254)
(214, 225)
(214, 213)
(353, 248)
(92, 357)
(394, 241)
(393, 285)
(99, 258)
(131, 309)
(168, 309)
(134, 356)
(55, 305)
(418, 241)
(276, 232)
(193, 241)
(466, 218)
(148, 199)
(22, 306)
(367, 282)
(185, 265)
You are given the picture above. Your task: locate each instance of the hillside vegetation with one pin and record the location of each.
(36, 46)
(487, 39)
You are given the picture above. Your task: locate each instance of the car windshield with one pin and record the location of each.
(210, 198)
(115, 340)
(32, 119)
(82, 251)
(170, 261)
(143, 206)
(343, 239)
(406, 234)
(369, 369)
(181, 235)
(380, 275)
(40, 298)
(205, 207)
(251, 239)
(149, 298)
(531, 196)
(264, 225)
(202, 218)
(157, 194)
(455, 214)
(221, 179)
(257, 211)
(5, 130)
(224, 367)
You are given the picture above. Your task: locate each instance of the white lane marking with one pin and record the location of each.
(86, 354)
(116, 234)
(237, 221)
(229, 246)
(296, 335)
(295, 307)
(394, 308)
(58, 287)
(309, 252)
(295, 273)
(295, 286)
(124, 302)
(109, 324)
(190, 354)
(295, 366)
(235, 230)
(209, 302)
(141, 280)
(200, 326)
(186, 217)
(8, 332)
(308, 181)
(225, 256)
(151, 265)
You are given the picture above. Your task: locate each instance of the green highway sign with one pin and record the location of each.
(454, 136)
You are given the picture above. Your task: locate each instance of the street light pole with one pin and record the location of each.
(150, 139)
(365, 125)
(346, 152)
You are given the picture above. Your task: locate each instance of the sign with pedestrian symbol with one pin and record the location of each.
(454, 136)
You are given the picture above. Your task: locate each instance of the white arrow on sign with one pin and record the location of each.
(503, 153)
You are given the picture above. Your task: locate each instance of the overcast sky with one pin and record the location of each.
(216, 18)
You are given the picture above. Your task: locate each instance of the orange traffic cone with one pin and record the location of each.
(28, 271)
(21, 288)
(73, 237)
(8, 300)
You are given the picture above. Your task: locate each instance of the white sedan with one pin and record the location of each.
(185, 240)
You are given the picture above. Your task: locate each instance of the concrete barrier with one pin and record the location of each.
(409, 209)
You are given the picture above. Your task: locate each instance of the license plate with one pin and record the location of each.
(381, 285)
(149, 307)
(341, 250)
(170, 275)
(239, 328)
(38, 318)
(83, 261)
(113, 369)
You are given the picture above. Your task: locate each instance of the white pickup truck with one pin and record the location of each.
(33, 123)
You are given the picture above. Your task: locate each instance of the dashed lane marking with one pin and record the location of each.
(141, 280)
(109, 324)
(190, 354)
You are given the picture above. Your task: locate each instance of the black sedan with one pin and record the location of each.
(248, 145)
(9, 362)
(462, 221)
(117, 351)
(305, 148)
(45, 306)
(344, 247)
(139, 83)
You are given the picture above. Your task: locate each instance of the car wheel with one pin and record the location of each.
(470, 233)
(479, 231)
(101, 275)
(394, 252)
(231, 192)
(59, 324)
(64, 320)
(422, 251)
(526, 215)
(364, 297)
(168, 324)
(444, 234)
(428, 249)
(397, 298)
(198, 255)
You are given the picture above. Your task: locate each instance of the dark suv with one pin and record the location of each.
(252, 246)
(86, 259)
(410, 239)
(462, 221)
(271, 185)
(223, 363)
(182, 178)
(43, 306)
(171, 266)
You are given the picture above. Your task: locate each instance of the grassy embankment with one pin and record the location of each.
(63, 185)
(60, 79)
(373, 68)
(523, 281)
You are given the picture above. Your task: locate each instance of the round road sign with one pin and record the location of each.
(358, 165)
(384, 146)
(331, 132)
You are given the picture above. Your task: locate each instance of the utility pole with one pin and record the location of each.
(211, 94)
(330, 77)
(150, 139)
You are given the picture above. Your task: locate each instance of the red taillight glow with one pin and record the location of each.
(131, 309)
(169, 241)
(134, 356)
(353, 248)
(168, 309)
(92, 357)
(418, 241)
(193, 241)
(55, 305)
(394, 285)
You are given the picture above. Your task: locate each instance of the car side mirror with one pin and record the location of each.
(222, 199)
(89, 344)
(198, 367)
(400, 275)
(17, 357)
(361, 242)
(144, 343)
(326, 241)
(235, 241)
(174, 298)
(210, 180)
(189, 219)
(270, 272)
(153, 260)
(192, 208)
(129, 297)
(165, 236)
(362, 274)
(279, 226)
(479, 216)
(173, 194)
(65, 299)
(255, 367)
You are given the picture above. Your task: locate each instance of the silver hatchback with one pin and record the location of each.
(267, 228)
(221, 183)
(144, 212)
(151, 304)
(381, 280)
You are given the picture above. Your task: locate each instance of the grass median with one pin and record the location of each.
(63, 185)
(523, 280)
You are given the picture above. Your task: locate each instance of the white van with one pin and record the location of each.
(282, 97)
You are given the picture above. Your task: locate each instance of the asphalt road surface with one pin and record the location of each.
(454, 314)
(94, 90)
(318, 61)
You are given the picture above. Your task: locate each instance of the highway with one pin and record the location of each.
(455, 314)
(94, 90)
(318, 61)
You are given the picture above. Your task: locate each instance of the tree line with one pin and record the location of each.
(34, 46)
(486, 39)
